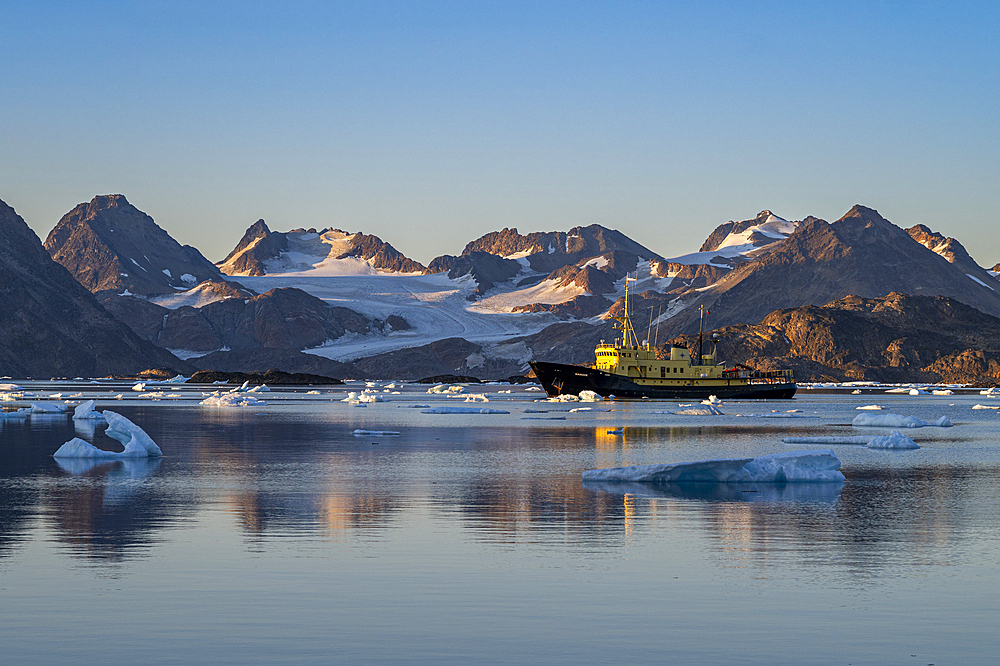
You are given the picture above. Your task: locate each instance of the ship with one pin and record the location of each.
(627, 369)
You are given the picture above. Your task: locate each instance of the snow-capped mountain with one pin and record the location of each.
(110, 245)
(51, 325)
(327, 252)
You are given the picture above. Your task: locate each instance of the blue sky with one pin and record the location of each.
(431, 123)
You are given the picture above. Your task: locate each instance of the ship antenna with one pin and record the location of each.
(656, 333)
(701, 330)
(649, 328)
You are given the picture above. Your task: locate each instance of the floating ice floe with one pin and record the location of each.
(702, 410)
(47, 408)
(942, 392)
(476, 397)
(9, 387)
(795, 466)
(916, 391)
(897, 421)
(564, 397)
(898, 390)
(85, 412)
(986, 406)
(533, 388)
(231, 400)
(873, 408)
(239, 389)
(589, 396)
(259, 389)
(712, 400)
(990, 391)
(445, 388)
(375, 433)
(415, 406)
(856, 392)
(141, 386)
(312, 392)
(463, 410)
(861, 440)
(22, 413)
(893, 440)
(137, 443)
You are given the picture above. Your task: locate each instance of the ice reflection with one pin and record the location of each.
(726, 492)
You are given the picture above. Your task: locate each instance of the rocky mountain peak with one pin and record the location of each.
(109, 244)
(949, 248)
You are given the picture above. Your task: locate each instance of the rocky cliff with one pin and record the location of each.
(50, 325)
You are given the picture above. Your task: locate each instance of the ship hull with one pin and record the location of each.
(559, 378)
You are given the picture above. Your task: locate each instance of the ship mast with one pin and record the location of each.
(629, 338)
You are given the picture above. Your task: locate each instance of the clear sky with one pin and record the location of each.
(431, 123)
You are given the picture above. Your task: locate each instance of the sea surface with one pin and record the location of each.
(273, 534)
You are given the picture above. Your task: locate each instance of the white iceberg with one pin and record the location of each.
(986, 406)
(859, 440)
(370, 397)
(9, 387)
(990, 391)
(242, 388)
(17, 414)
(462, 410)
(476, 397)
(375, 433)
(47, 408)
(894, 440)
(795, 466)
(141, 386)
(259, 389)
(85, 412)
(137, 443)
(898, 390)
(533, 388)
(231, 400)
(916, 391)
(897, 421)
(588, 396)
(942, 392)
(873, 408)
(712, 400)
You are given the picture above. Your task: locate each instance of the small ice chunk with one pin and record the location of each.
(873, 408)
(533, 388)
(239, 389)
(990, 391)
(141, 386)
(85, 412)
(9, 387)
(444, 388)
(476, 397)
(463, 410)
(861, 439)
(417, 406)
(260, 389)
(588, 396)
(897, 421)
(712, 400)
(17, 414)
(703, 410)
(942, 392)
(986, 406)
(582, 409)
(894, 440)
(795, 466)
(375, 433)
(916, 391)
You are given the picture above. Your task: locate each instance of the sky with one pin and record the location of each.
(429, 124)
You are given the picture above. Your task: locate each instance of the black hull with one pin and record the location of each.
(558, 378)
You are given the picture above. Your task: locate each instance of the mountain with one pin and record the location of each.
(50, 325)
(951, 250)
(332, 251)
(860, 254)
(894, 338)
(109, 245)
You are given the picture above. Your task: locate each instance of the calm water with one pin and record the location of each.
(273, 534)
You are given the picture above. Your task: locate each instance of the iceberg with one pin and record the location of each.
(137, 443)
(712, 400)
(260, 389)
(85, 412)
(860, 439)
(916, 391)
(444, 388)
(990, 391)
(873, 408)
(588, 396)
(942, 392)
(462, 410)
(17, 414)
(897, 421)
(375, 433)
(820, 465)
(141, 386)
(231, 400)
(47, 408)
(9, 387)
(242, 388)
(476, 397)
(977, 406)
(894, 440)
